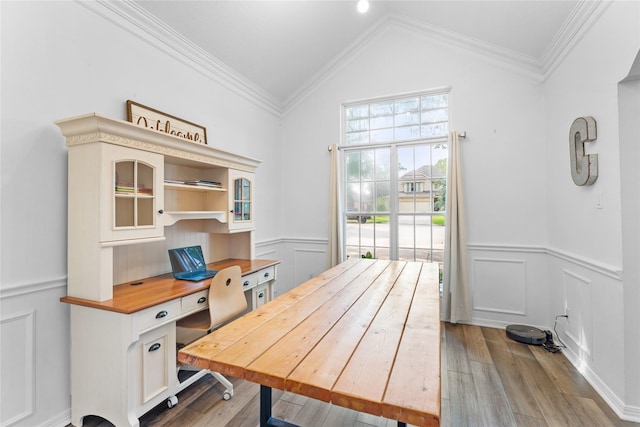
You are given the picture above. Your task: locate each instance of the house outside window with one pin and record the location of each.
(394, 181)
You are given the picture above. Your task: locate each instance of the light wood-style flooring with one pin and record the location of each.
(487, 380)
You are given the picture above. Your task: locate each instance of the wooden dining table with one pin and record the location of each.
(364, 335)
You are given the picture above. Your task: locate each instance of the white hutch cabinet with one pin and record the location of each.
(126, 184)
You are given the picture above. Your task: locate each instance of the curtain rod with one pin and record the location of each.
(462, 135)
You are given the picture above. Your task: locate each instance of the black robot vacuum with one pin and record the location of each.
(526, 334)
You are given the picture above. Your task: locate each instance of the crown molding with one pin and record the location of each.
(517, 61)
(501, 56)
(134, 19)
(521, 62)
(582, 18)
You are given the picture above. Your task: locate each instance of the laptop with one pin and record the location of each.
(188, 264)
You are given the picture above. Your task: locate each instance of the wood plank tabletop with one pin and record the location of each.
(364, 335)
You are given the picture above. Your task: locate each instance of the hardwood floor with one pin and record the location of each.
(487, 380)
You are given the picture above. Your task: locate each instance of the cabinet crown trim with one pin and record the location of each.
(94, 127)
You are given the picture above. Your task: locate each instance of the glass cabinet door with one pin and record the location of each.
(241, 199)
(136, 195)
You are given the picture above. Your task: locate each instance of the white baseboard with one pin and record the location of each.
(61, 420)
(625, 412)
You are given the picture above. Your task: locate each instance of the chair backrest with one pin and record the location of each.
(226, 297)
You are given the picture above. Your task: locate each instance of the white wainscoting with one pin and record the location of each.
(529, 285)
(512, 284)
(308, 263)
(18, 367)
(508, 285)
(301, 259)
(579, 324)
(35, 385)
(500, 285)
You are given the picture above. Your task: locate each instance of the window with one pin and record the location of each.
(394, 181)
(413, 187)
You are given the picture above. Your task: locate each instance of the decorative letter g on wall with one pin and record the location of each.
(584, 168)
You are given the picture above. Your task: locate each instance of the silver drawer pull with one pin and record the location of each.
(163, 313)
(246, 283)
(154, 347)
(202, 299)
(261, 295)
(266, 274)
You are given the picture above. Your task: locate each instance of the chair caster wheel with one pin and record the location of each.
(226, 395)
(172, 401)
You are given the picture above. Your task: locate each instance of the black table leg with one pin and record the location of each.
(266, 420)
(265, 405)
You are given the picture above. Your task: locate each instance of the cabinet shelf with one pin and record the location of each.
(132, 195)
(185, 187)
(171, 217)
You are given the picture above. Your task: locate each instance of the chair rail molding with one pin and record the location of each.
(614, 272)
(19, 289)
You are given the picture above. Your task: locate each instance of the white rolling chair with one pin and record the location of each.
(226, 301)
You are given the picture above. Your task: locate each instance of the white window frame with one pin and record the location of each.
(393, 145)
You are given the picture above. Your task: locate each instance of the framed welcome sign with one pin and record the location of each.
(150, 118)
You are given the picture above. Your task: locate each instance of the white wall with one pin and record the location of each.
(629, 107)
(62, 59)
(585, 273)
(503, 154)
(537, 242)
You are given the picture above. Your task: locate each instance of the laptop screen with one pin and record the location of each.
(187, 260)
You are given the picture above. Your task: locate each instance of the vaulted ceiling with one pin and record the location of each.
(281, 47)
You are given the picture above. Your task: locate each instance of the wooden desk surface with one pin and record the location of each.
(128, 298)
(364, 335)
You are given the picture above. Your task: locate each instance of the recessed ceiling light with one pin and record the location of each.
(363, 6)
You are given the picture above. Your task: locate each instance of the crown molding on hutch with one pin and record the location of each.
(134, 19)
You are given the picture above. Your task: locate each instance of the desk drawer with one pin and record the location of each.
(250, 281)
(157, 315)
(195, 302)
(266, 275)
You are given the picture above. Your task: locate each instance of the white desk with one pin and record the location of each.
(123, 350)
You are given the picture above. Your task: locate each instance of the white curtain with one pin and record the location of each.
(334, 251)
(456, 296)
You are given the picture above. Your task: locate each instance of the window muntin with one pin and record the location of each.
(395, 154)
(392, 120)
